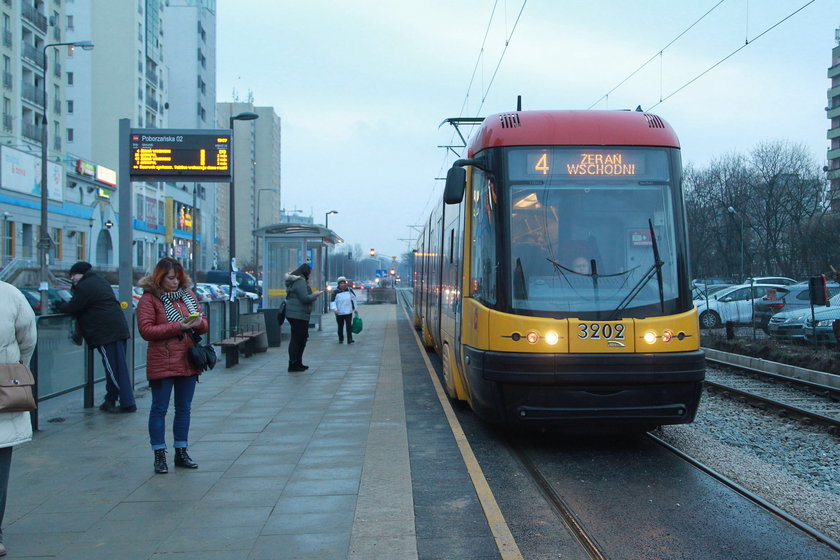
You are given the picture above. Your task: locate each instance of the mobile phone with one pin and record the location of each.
(192, 316)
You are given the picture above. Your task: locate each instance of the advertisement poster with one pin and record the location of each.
(21, 172)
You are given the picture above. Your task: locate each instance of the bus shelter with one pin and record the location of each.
(284, 248)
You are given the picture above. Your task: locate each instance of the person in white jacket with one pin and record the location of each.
(18, 335)
(343, 305)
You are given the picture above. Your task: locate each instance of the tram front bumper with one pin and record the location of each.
(578, 389)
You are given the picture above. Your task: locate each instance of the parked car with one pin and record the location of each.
(776, 280)
(136, 293)
(215, 291)
(203, 293)
(250, 295)
(712, 282)
(54, 296)
(821, 326)
(246, 281)
(789, 325)
(798, 297)
(734, 303)
(702, 292)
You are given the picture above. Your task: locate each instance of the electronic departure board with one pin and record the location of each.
(160, 154)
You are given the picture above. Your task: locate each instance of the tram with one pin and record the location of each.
(553, 277)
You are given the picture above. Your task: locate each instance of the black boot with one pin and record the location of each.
(183, 460)
(160, 461)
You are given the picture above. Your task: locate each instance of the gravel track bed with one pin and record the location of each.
(792, 465)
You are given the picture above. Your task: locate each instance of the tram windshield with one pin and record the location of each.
(585, 227)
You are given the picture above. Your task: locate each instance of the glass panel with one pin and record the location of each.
(580, 229)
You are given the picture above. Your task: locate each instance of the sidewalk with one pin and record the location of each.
(292, 465)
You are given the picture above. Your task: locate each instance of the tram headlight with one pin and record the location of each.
(650, 337)
(667, 336)
(552, 338)
(532, 337)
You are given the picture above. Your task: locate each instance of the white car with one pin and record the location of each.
(734, 303)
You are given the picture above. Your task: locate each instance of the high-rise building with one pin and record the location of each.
(256, 168)
(190, 27)
(833, 113)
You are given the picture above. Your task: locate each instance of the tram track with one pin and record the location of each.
(797, 398)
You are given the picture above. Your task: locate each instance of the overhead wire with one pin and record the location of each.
(730, 55)
(479, 58)
(658, 54)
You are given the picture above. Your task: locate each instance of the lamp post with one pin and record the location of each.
(45, 242)
(735, 214)
(243, 116)
(327, 258)
(193, 224)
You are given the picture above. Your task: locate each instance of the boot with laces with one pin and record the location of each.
(160, 461)
(184, 460)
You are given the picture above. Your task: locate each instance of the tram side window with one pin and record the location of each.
(483, 266)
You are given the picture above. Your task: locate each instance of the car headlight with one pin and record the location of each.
(825, 323)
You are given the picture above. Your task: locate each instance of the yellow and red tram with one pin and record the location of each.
(553, 278)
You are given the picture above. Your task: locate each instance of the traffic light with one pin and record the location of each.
(372, 252)
(393, 272)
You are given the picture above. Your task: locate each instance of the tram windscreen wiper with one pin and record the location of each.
(654, 270)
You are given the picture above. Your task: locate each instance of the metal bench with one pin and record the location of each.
(231, 346)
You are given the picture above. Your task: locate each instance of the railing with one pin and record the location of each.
(31, 131)
(8, 272)
(33, 94)
(62, 367)
(33, 16)
(34, 54)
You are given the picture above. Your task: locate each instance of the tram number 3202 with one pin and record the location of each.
(606, 331)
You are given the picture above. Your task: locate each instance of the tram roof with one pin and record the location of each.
(573, 128)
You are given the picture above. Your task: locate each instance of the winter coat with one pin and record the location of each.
(166, 354)
(101, 320)
(344, 302)
(18, 335)
(299, 298)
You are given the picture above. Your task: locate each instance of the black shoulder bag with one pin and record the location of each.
(201, 356)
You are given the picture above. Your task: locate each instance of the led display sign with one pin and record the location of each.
(600, 163)
(179, 155)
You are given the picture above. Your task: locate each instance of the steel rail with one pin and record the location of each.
(755, 498)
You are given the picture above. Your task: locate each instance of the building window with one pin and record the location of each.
(69, 107)
(69, 134)
(69, 78)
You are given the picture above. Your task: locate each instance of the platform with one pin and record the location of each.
(350, 459)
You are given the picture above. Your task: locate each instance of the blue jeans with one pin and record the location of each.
(161, 390)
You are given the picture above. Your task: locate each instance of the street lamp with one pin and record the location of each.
(735, 214)
(243, 116)
(45, 242)
(327, 257)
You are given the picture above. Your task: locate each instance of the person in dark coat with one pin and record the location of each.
(103, 326)
(299, 298)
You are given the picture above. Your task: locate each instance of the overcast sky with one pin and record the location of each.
(362, 85)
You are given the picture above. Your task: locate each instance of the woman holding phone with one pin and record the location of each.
(167, 310)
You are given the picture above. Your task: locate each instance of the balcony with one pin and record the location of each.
(33, 54)
(151, 76)
(33, 94)
(34, 17)
(152, 103)
(31, 131)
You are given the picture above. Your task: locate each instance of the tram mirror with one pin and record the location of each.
(456, 180)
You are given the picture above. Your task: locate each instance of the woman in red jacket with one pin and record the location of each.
(165, 313)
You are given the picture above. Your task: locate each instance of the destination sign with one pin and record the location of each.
(180, 155)
(601, 163)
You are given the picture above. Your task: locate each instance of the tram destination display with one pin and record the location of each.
(180, 155)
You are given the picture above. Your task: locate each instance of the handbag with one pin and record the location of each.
(201, 356)
(356, 325)
(16, 383)
(281, 313)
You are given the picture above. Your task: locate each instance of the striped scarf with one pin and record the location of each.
(173, 315)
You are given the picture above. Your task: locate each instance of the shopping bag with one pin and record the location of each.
(356, 325)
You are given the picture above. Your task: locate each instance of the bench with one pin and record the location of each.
(232, 345)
